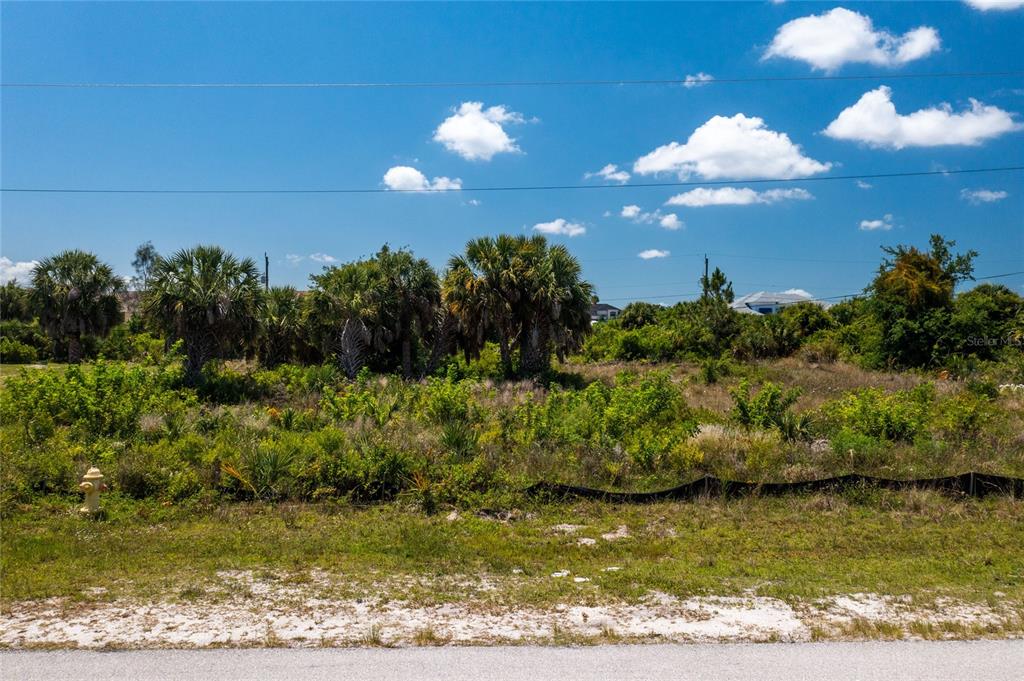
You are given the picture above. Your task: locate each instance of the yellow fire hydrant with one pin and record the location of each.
(92, 485)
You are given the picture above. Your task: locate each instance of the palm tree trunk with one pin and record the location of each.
(197, 354)
(506, 351)
(74, 349)
(441, 344)
(535, 350)
(406, 356)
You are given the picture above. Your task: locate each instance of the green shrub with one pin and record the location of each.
(16, 352)
(712, 369)
(765, 409)
(765, 337)
(27, 469)
(823, 349)
(101, 400)
(18, 333)
(857, 451)
(123, 344)
(898, 416)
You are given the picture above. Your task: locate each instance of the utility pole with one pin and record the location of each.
(704, 282)
(266, 271)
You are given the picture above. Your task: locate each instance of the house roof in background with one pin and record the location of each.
(769, 298)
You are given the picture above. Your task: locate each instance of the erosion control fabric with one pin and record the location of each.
(967, 484)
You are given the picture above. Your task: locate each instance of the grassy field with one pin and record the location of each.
(914, 544)
(15, 369)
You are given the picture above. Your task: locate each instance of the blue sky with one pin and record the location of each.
(823, 237)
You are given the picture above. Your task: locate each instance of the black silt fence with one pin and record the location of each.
(966, 484)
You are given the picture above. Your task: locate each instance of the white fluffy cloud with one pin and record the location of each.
(668, 221)
(735, 196)
(476, 133)
(884, 224)
(740, 147)
(407, 178)
(697, 80)
(651, 253)
(294, 259)
(864, 185)
(840, 36)
(977, 196)
(875, 121)
(798, 292)
(610, 173)
(560, 226)
(20, 271)
(986, 5)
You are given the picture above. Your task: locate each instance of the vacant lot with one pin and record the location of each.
(872, 565)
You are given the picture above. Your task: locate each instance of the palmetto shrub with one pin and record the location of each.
(105, 400)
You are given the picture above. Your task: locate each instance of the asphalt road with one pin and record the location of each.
(948, 661)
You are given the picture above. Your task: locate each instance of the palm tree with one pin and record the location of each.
(410, 296)
(345, 318)
(207, 298)
(479, 290)
(376, 309)
(524, 292)
(282, 326)
(555, 316)
(75, 295)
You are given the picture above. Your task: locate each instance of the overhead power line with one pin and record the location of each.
(999, 276)
(520, 188)
(592, 82)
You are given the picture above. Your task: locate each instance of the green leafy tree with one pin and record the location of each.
(207, 298)
(145, 258)
(806, 318)
(716, 287)
(639, 314)
(712, 314)
(523, 291)
(15, 302)
(911, 299)
(985, 321)
(75, 296)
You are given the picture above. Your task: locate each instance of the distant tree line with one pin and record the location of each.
(393, 312)
(909, 316)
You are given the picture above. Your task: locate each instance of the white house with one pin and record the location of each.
(766, 302)
(602, 312)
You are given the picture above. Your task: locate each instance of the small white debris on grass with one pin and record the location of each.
(586, 541)
(560, 573)
(580, 580)
(566, 528)
(613, 568)
(621, 532)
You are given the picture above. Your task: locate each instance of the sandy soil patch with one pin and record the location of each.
(270, 613)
